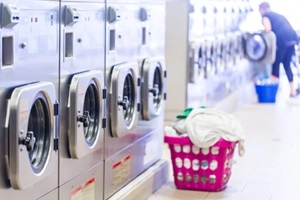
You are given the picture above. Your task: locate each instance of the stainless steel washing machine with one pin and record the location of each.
(210, 17)
(230, 52)
(29, 74)
(123, 42)
(153, 74)
(197, 61)
(211, 56)
(221, 53)
(260, 47)
(239, 45)
(82, 99)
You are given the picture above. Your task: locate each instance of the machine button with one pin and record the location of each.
(113, 15)
(10, 15)
(71, 16)
(144, 14)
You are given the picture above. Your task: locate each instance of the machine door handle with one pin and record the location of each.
(85, 118)
(154, 90)
(28, 141)
(124, 103)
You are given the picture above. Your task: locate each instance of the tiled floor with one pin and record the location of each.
(270, 169)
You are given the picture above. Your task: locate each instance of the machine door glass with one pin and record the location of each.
(31, 132)
(152, 87)
(255, 47)
(38, 135)
(124, 98)
(128, 99)
(85, 113)
(201, 60)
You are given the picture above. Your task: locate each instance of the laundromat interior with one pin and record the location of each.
(147, 99)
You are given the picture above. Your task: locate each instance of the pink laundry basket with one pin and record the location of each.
(200, 169)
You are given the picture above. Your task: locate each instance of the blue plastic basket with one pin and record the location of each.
(266, 93)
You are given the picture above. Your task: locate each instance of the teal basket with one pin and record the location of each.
(266, 93)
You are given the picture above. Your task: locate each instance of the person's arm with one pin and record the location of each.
(267, 24)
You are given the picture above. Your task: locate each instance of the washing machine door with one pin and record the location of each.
(86, 106)
(124, 99)
(153, 87)
(255, 47)
(31, 131)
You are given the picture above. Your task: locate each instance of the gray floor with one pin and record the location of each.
(270, 169)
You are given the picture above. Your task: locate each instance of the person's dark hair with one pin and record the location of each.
(264, 5)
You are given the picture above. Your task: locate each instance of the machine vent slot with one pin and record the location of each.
(69, 45)
(112, 40)
(7, 51)
(165, 74)
(165, 96)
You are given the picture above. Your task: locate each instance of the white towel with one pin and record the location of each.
(205, 126)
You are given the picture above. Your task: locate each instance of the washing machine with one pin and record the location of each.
(211, 55)
(196, 19)
(229, 10)
(152, 70)
(220, 17)
(197, 60)
(29, 74)
(210, 16)
(230, 52)
(82, 99)
(239, 45)
(122, 153)
(260, 47)
(221, 53)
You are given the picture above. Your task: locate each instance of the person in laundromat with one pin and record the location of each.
(286, 39)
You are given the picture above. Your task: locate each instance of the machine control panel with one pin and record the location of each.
(144, 14)
(10, 15)
(71, 16)
(113, 15)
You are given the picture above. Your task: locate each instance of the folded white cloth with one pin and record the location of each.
(205, 126)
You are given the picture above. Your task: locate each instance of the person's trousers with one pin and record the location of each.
(284, 56)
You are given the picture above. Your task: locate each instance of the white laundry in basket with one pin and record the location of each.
(205, 126)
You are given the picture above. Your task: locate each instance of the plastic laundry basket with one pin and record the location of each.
(200, 169)
(266, 93)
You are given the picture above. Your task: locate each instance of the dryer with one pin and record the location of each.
(211, 56)
(28, 99)
(153, 74)
(82, 99)
(260, 48)
(197, 61)
(123, 100)
(221, 53)
(230, 51)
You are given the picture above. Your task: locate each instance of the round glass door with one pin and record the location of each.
(38, 138)
(256, 47)
(157, 88)
(201, 60)
(128, 99)
(90, 117)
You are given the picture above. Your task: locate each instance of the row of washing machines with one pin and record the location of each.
(217, 16)
(82, 91)
(210, 62)
(217, 67)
